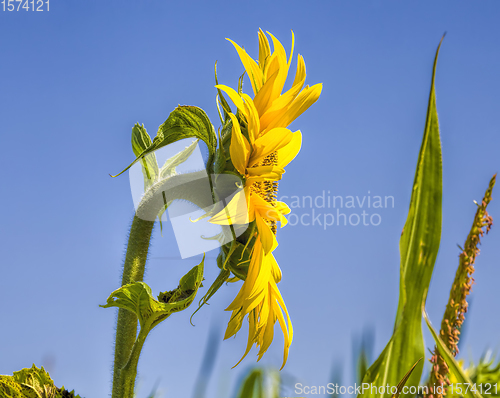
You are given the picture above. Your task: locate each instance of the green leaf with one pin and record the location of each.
(140, 142)
(12, 389)
(419, 246)
(31, 383)
(453, 365)
(403, 381)
(137, 298)
(183, 122)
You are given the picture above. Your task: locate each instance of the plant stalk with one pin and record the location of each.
(128, 373)
(126, 327)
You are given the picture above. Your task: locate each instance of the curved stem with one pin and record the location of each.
(126, 328)
(184, 186)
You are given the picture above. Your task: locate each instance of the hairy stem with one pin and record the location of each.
(126, 328)
(129, 372)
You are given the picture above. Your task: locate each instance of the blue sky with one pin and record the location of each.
(74, 81)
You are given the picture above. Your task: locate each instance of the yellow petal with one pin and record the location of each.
(267, 237)
(281, 104)
(272, 141)
(282, 66)
(235, 213)
(263, 98)
(268, 335)
(261, 285)
(253, 273)
(251, 335)
(300, 74)
(304, 100)
(281, 302)
(235, 97)
(287, 339)
(288, 153)
(275, 268)
(234, 324)
(251, 67)
(282, 207)
(252, 116)
(264, 49)
(239, 148)
(264, 173)
(291, 50)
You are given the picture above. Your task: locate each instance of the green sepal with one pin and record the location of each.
(219, 281)
(184, 122)
(223, 101)
(222, 158)
(140, 142)
(137, 298)
(240, 83)
(233, 258)
(236, 261)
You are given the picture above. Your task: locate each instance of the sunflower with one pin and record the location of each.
(259, 154)
(261, 162)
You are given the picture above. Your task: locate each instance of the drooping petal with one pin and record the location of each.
(267, 336)
(275, 268)
(251, 337)
(286, 336)
(267, 236)
(234, 324)
(279, 299)
(253, 273)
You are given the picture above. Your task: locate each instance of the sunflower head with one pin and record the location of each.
(256, 144)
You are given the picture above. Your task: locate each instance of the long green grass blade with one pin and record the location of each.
(419, 246)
